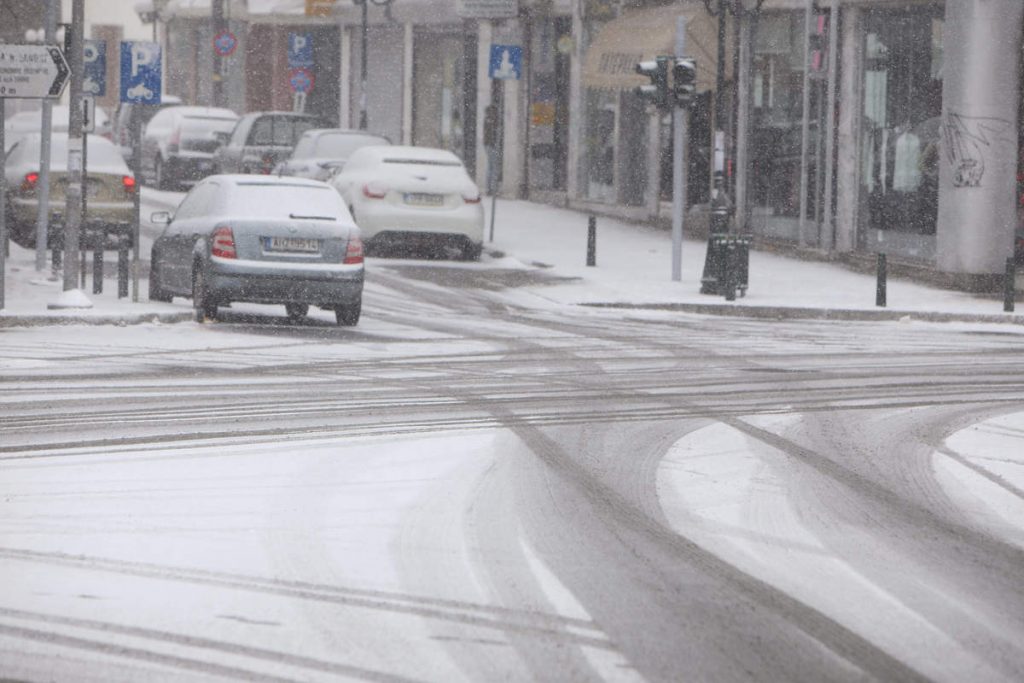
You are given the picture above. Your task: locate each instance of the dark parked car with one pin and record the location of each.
(121, 129)
(261, 140)
(179, 144)
(323, 151)
(258, 239)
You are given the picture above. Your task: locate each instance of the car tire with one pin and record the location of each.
(471, 251)
(205, 309)
(296, 312)
(156, 290)
(348, 315)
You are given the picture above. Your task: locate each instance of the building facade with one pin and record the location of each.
(852, 126)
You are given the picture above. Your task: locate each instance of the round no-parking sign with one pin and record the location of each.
(224, 43)
(301, 80)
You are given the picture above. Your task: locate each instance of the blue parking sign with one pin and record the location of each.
(95, 82)
(300, 50)
(140, 72)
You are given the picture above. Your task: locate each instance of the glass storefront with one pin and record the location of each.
(777, 124)
(900, 135)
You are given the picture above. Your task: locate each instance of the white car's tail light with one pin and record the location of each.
(128, 182)
(223, 244)
(174, 142)
(471, 198)
(354, 251)
(375, 190)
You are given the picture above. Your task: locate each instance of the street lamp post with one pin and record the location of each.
(365, 6)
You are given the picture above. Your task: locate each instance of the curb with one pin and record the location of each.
(121, 320)
(783, 313)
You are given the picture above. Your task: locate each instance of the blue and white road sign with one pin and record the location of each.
(506, 62)
(300, 50)
(140, 72)
(95, 53)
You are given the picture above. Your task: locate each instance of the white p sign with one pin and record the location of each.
(142, 56)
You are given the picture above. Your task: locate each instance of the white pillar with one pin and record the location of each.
(978, 161)
(407, 71)
(345, 76)
(512, 149)
(483, 96)
(743, 109)
(848, 179)
(577, 108)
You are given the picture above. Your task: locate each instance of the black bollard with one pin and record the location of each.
(1010, 285)
(122, 269)
(729, 281)
(592, 241)
(97, 270)
(880, 284)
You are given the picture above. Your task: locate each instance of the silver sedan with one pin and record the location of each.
(260, 239)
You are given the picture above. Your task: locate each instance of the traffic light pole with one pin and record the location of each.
(678, 166)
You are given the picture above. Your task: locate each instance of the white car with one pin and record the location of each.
(413, 197)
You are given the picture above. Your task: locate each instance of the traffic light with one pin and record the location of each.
(657, 91)
(684, 81)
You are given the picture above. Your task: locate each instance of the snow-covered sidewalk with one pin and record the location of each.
(634, 267)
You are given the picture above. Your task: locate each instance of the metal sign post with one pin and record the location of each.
(33, 72)
(141, 83)
(505, 64)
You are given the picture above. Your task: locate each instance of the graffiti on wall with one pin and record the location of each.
(968, 141)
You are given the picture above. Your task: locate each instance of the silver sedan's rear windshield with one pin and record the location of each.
(284, 200)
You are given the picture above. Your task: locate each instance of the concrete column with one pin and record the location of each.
(978, 161)
(653, 198)
(577, 106)
(743, 110)
(512, 150)
(407, 71)
(483, 96)
(848, 180)
(345, 79)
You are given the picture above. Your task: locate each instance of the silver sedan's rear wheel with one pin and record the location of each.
(204, 307)
(156, 290)
(348, 315)
(296, 312)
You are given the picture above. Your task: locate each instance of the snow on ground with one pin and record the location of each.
(727, 493)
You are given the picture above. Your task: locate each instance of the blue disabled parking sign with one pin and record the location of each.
(140, 72)
(506, 62)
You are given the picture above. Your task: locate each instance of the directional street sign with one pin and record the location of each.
(301, 80)
(32, 71)
(140, 72)
(95, 54)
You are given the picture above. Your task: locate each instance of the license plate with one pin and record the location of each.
(291, 244)
(424, 199)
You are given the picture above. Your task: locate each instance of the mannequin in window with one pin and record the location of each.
(906, 175)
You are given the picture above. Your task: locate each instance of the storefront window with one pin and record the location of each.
(777, 98)
(901, 116)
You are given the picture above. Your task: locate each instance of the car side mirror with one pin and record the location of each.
(160, 217)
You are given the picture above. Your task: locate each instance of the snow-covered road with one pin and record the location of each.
(477, 483)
